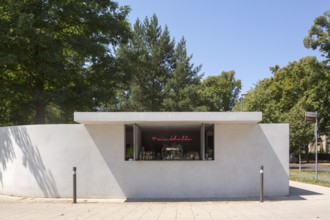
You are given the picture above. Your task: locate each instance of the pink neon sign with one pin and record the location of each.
(172, 138)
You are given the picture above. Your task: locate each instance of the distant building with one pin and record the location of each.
(323, 145)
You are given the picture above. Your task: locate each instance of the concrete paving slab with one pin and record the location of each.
(305, 202)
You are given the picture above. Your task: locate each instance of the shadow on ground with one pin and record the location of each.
(295, 194)
(294, 191)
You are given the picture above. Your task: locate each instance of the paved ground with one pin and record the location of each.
(305, 202)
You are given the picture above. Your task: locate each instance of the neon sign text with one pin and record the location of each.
(172, 138)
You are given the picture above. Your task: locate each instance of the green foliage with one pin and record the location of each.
(129, 153)
(180, 89)
(300, 131)
(319, 35)
(57, 53)
(220, 93)
(145, 62)
(158, 73)
(298, 87)
(309, 177)
(57, 57)
(261, 98)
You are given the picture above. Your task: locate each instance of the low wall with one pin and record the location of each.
(37, 161)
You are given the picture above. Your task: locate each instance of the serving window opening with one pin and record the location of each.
(169, 142)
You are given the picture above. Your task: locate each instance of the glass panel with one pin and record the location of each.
(169, 142)
(129, 152)
(209, 142)
(202, 141)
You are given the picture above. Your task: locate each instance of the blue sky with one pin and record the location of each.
(245, 36)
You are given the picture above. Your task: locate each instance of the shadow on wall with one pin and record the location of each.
(32, 160)
(268, 147)
(279, 148)
(241, 150)
(7, 152)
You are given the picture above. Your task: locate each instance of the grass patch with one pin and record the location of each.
(309, 177)
(310, 181)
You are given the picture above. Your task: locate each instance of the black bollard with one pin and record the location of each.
(262, 184)
(74, 185)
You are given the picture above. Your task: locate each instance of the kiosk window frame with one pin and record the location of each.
(169, 142)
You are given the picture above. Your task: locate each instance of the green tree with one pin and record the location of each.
(220, 93)
(59, 54)
(146, 64)
(261, 98)
(181, 87)
(274, 69)
(319, 35)
(159, 74)
(298, 87)
(301, 132)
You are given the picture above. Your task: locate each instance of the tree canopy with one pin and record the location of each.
(159, 75)
(298, 87)
(319, 35)
(57, 57)
(220, 93)
(57, 54)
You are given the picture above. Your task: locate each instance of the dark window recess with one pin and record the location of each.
(129, 152)
(209, 142)
(170, 142)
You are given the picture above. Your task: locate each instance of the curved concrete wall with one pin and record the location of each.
(37, 161)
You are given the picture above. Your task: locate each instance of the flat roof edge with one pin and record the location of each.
(154, 117)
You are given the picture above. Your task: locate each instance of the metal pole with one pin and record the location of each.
(316, 150)
(74, 185)
(261, 183)
(299, 159)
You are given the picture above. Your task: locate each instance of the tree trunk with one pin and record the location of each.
(307, 153)
(40, 112)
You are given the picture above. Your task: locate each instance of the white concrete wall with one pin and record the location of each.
(37, 161)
